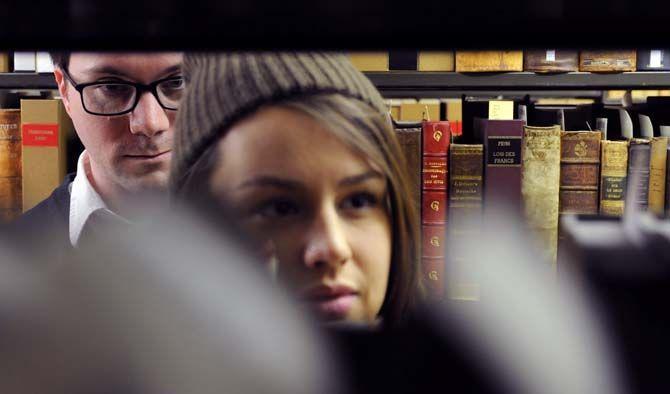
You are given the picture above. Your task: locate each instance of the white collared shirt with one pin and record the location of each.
(84, 199)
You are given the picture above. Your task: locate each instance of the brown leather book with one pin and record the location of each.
(657, 173)
(540, 182)
(409, 137)
(607, 61)
(502, 169)
(639, 159)
(435, 145)
(489, 61)
(10, 164)
(550, 60)
(465, 209)
(580, 172)
(614, 162)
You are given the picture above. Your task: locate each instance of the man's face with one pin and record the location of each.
(128, 152)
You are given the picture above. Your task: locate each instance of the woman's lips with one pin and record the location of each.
(331, 302)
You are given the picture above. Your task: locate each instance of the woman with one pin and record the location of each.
(301, 149)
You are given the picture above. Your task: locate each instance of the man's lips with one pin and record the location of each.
(147, 156)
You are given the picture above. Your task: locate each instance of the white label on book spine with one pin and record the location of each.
(656, 58)
(551, 55)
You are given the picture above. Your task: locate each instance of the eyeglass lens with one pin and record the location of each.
(113, 98)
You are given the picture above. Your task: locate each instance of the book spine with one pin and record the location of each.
(465, 209)
(607, 61)
(435, 146)
(550, 60)
(614, 161)
(639, 157)
(10, 165)
(580, 172)
(540, 184)
(410, 144)
(657, 172)
(502, 173)
(489, 61)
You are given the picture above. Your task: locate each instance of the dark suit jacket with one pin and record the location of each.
(43, 231)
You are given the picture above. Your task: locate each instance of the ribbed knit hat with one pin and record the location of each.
(223, 88)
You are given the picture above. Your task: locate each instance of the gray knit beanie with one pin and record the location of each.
(223, 88)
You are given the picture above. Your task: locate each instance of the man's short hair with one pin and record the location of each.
(60, 59)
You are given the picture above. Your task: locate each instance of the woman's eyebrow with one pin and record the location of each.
(356, 179)
(271, 181)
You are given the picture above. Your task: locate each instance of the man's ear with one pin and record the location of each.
(62, 83)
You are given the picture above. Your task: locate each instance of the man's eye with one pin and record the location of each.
(359, 201)
(173, 84)
(115, 89)
(278, 208)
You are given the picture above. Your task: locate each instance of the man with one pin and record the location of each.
(123, 107)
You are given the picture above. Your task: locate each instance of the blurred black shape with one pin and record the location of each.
(258, 24)
(626, 267)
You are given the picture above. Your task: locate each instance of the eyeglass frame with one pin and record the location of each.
(140, 88)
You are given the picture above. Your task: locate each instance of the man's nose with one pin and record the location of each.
(148, 117)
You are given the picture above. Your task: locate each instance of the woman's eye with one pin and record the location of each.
(359, 200)
(278, 208)
(173, 84)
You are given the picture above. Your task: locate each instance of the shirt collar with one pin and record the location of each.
(84, 199)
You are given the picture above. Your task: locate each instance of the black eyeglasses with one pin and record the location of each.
(109, 98)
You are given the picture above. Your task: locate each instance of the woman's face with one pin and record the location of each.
(319, 204)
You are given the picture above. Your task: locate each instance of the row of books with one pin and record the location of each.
(39, 62)
(33, 146)
(538, 172)
(538, 60)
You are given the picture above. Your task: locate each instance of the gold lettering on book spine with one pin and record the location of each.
(613, 177)
(435, 206)
(433, 275)
(437, 135)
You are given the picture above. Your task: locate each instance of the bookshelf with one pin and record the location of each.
(426, 84)
(414, 82)
(27, 81)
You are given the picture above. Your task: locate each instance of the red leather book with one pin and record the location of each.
(435, 147)
(502, 163)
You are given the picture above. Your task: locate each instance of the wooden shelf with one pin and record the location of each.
(27, 81)
(416, 83)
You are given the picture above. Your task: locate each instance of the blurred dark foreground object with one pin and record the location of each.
(162, 307)
(625, 263)
(176, 305)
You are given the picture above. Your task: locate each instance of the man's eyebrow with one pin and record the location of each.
(270, 181)
(114, 71)
(356, 179)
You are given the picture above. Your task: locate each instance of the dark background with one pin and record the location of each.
(332, 24)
